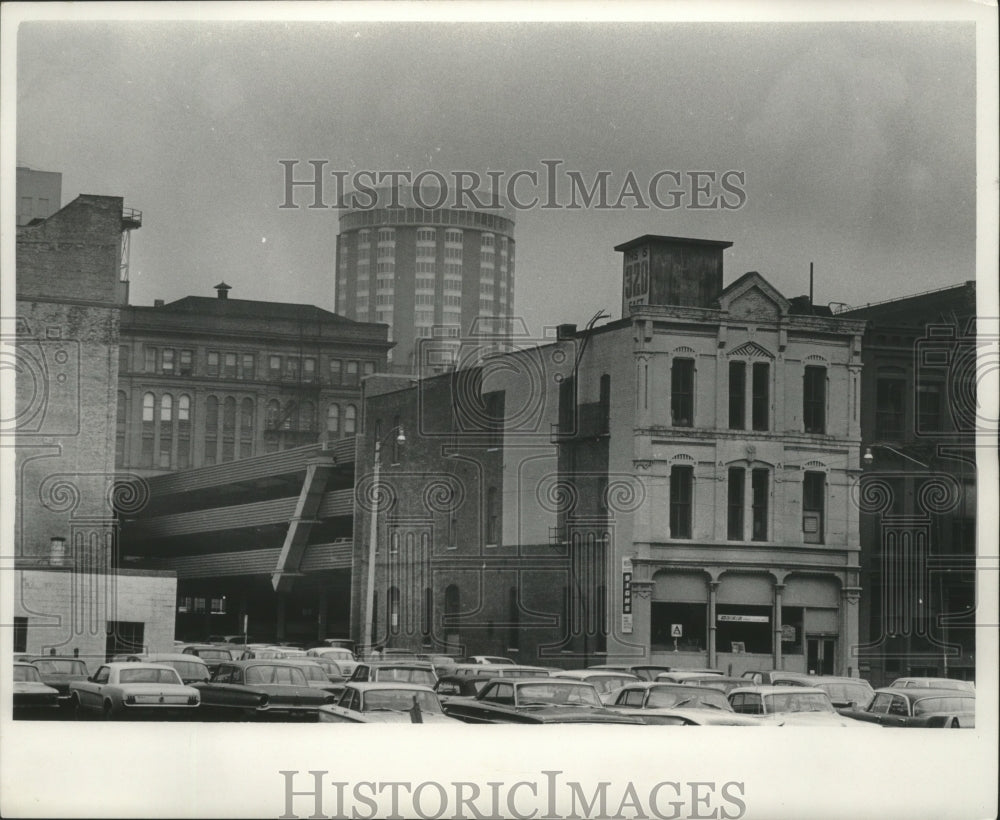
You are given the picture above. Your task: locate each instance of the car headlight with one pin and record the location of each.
(264, 699)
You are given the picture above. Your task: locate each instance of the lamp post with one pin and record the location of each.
(366, 636)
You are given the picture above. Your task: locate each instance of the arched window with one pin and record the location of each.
(148, 430)
(166, 430)
(333, 420)
(246, 428)
(211, 430)
(228, 429)
(121, 425)
(183, 432)
(350, 420)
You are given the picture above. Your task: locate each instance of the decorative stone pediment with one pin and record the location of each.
(751, 349)
(753, 297)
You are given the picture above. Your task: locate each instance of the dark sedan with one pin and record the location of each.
(261, 689)
(32, 698)
(58, 672)
(534, 700)
(919, 708)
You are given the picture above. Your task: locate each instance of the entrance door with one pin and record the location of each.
(820, 652)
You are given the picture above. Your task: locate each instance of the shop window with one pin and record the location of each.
(746, 627)
(692, 619)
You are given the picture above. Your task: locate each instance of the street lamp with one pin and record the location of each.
(366, 636)
(869, 459)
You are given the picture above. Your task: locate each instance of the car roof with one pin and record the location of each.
(137, 665)
(54, 658)
(367, 686)
(777, 690)
(583, 674)
(400, 664)
(157, 657)
(823, 678)
(916, 692)
(261, 662)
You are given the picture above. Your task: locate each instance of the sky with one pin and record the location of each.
(856, 142)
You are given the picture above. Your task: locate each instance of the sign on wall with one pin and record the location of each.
(744, 619)
(626, 596)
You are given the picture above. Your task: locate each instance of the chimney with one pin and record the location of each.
(223, 290)
(157, 303)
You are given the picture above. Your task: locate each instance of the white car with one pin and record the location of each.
(789, 706)
(607, 682)
(131, 689)
(385, 703)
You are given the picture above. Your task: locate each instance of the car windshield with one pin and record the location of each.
(793, 701)
(686, 698)
(608, 683)
(148, 676)
(287, 675)
(61, 666)
(557, 694)
(215, 654)
(400, 700)
(189, 670)
(346, 654)
(930, 706)
(859, 693)
(406, 675)
(26, 674)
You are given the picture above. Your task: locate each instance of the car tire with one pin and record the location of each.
(108, 713)
(77, 709)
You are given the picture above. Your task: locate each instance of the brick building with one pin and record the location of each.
(919, 419)
(564, 501)
(70, 590)
(206, 381)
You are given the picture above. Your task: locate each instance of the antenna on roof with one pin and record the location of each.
(810, 286)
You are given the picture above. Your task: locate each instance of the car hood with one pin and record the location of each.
(707, 717)
(812, 719)
(33, 688)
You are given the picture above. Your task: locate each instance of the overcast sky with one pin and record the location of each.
(857, 142)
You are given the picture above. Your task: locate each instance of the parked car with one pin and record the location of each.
(340, 655)
(788, 706)
(643, 671)
(399, 671)
(191, 668)
(212, 654)
(605, 681)
(31, 697)
(535, 700)
(492, 660)
(443, 664)
(502, 670)
(934, 683)
(261, 689)
(845, 693)
(919, 707)
(462, 686)
(133, 689)
(721, 682)
(677, 704)
(59, 672)
(385, 703)
(316, 675)
(333, 670)
(678, 675)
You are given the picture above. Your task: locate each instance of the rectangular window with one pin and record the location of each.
(186, 362)
(682, 393)
(309, 369)
(761, 395)
(20, 634)
(212, 363)
(292, 368)
(249, 366)
(336, 371)
(150, 359)
(229, 366)
(351, 374)
(368, 368)
(681, 480)
(890, 411)
(814, 399)
(123, 358)
(167, 360)
(813, 504)
(737, 395)
(737, 480)
(929, 408)
(692, 620)
(274, 367)
(759, 489)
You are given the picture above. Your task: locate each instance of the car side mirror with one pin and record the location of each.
(90, 678)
